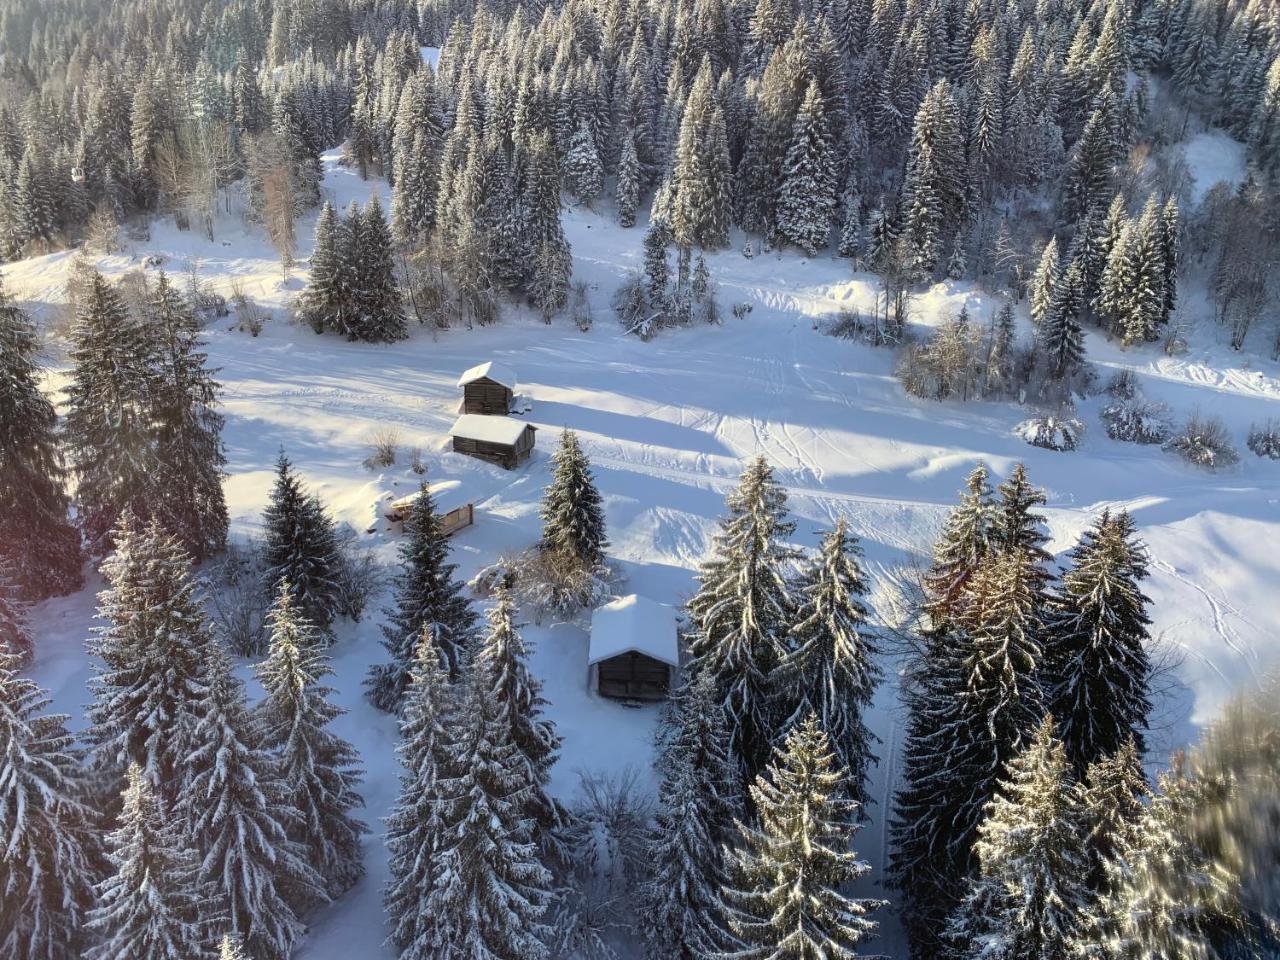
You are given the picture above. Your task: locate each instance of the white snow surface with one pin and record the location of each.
(1214, 157)
(634, 624)
(475, 426)
(668, 425)
(490, 370)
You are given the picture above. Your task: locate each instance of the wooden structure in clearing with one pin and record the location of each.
(488, 389)
(501, 440)
(454, 508)
(635, 654)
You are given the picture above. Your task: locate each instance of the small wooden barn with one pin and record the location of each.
(635, 653)
(451, 502)
(501, 440)
(488, 389)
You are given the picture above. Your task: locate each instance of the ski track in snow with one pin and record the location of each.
(668, 425)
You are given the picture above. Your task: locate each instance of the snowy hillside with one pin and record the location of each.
(667, 425)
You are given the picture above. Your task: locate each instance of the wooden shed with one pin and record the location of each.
(488, 389)
(501, 440)
(635, 653)
(455, 509)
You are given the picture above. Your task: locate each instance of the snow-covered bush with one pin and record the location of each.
(384, 445)
(544, 587)
(1204, 441)
(631, 304)
(1129, 416)
(359, 576)
(946, 366)
(238, 599)
(580, 306)
(1264, 439)
(1051, 431)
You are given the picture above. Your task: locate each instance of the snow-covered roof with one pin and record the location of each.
(446, 496)
(492, 371)
(634, 623)
(475, 426)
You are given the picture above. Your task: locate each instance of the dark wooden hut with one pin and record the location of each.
(501, 440)
(488, 389)
(634, 652)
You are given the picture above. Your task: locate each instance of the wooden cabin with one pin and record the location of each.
(635, 653)
(452, 505)
(501, 440)
(488, 389)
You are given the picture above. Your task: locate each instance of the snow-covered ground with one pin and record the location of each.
(667, 425)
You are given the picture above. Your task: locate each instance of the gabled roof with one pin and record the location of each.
(475, 426)
(634, 624)
(489, 371)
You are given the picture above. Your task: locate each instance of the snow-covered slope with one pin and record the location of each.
(667, 425)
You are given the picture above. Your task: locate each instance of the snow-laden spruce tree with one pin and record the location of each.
(1112, 796)
(583, 172)
(320, 771)
(189, 499)
(491, 893)
(791, 869)
(1044, 282)
(630, 181)
(427, 598)
(502, 665)
(109, 430)
(807, 195)
(300, 547)
(657, 268)
(15, 637)
(1060, 336)
(230, 949)
(416, 828)
(1031, 887)
(1097, 669)
(829, 670)
(153, 903)
(967, 539)
(377, 305)
(573, 526)
(238, 816)
(153, 648)
(47, 826)
(413, 197)
(326, 304)
(742, 610)
(681, 904)
(38, 544)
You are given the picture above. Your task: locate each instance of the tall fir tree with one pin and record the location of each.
(191, 505)
(300, 547)
(967, 539)
(376, 302)
(657, 268)
(153, 650)
(153, 903)
(1031, 886)
(573, 525)
(38, 544)
(792, 868)
(1113, 795)
(1098, 668)
(742, 609)
(47, 826)
(428, 597)
(627, 193)
(1044, 282)
(319, 769)
(829, 669)
(1061, 336)
(583, 171)
(326, 304)
(238, 815)
(807, 195)
(109, 430)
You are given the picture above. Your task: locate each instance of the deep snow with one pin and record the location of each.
(667, 425)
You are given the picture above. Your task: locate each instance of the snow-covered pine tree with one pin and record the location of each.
(699, 801)
(326, 302)
(109, 429)
(552, 271)
(229, 948)
(922, 214)
(1098, 670)
(1044, 282)
(829, 670)
(153, 650)
(1112, 796)
(851, 243)
(1144, 301)
(47, 826)
(413, 198)
(238, 816)
(1171, 248)
(967, 539)
(320, 770)
(15, 637)
(300, 547)
(427, 598)
(377, 305)
(1087, 180)
(742, 609)
(789, 872)
(416, 828)
(190, 503)
(491, 892)
(38, 545)
(1061, 337)
(583, 172)
(807, 195)
(700, 175)
(997, 375)
(153, 904)
(630, 175)
(657, 268)
(573, 525)
(1032, 866)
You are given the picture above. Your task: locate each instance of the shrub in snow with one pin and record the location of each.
(542, 582)
(1051, 432)
(1264, 439)
(385, 444)
(1205, 442)
(238, 600)
(1131, 417)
